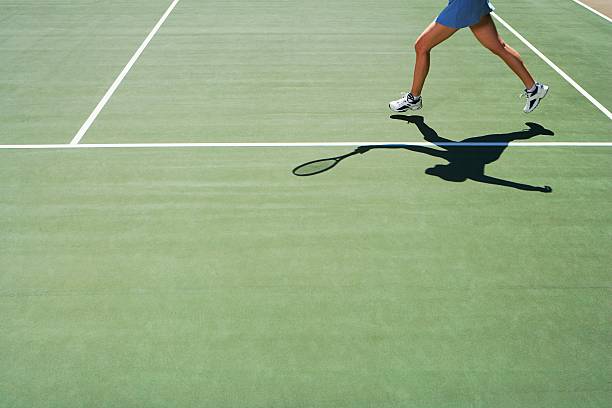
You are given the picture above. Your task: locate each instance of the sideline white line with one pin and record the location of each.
(297, 144)
(555, 67)
(600, 14)
(79, 135)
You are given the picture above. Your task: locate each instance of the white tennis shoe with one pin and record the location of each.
(406, 102)
(534, 97)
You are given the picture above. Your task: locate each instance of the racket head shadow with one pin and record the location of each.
(316, 166)
(322, 165)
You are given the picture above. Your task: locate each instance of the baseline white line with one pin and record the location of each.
(92, 117)
(555, 67)
(297, 144)
(600, 14)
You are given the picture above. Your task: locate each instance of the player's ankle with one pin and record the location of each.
(533, 88)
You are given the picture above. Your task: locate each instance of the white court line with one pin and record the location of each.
(296, 144)
(79, 135)
(602, 15)
(555, 67)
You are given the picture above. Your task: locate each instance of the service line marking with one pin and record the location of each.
(296, 144)
(600, 14)
(92, 117)
(555, 67)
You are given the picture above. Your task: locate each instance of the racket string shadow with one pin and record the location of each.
(466, 159)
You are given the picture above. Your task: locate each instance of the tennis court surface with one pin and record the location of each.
(157, 251)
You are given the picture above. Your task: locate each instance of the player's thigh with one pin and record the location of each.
(433, 35)
(486, 33)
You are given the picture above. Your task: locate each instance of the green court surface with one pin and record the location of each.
(213, 277)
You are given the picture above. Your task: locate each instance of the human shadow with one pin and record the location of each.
(467, 158)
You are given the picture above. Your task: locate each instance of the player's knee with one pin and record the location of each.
(421, 47)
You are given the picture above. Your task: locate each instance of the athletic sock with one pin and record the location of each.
(415, 97)
(533, 88)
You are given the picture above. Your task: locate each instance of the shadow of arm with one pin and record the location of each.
(420, 149)
(506, 183)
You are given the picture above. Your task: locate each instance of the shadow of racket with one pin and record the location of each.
(319, 166)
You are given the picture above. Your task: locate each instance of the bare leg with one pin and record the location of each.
(486, 33)
(432, 36)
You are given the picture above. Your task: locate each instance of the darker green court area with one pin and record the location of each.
(215, 277)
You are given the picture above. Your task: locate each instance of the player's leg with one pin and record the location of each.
(433, 35)
(486, 32)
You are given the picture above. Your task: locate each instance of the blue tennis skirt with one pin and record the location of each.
(464, 13)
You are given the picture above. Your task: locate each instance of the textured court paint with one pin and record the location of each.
(602, 8)
(109, 93)
(555, 67)
(215, 278)
(292, 145)
(59, 57)
(578, 39)
(313, 71)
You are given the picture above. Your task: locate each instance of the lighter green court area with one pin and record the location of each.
(214, 277)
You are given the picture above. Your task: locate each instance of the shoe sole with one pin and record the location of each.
(546, 88)
(405, 110)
